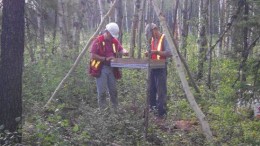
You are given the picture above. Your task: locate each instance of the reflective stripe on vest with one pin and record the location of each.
(114, 48)
(103, 46)
(113, 45)
(159, 47)
(95, 63)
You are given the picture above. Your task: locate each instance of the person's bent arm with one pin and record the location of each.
(167, 51)
(97, 57)
(124, 52)
(163, 53)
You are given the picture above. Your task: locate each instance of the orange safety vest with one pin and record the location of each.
(159, 47)
(96, 65)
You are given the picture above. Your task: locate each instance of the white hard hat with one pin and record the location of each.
(148, 29)
(113, 29)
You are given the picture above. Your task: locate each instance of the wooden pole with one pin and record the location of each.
(102, 23)
(179, 66)
(148, 82)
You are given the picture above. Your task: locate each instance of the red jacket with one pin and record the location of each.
(95, 65)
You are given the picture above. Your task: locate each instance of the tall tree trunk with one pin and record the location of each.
(111, 18)
(11, 67)
(40, 24)
(175, 24)
(66, 42)
(62, 28)
(191, 15)
(185, 28)
(210, 43)
(202, 42)
(54, 34)
(68, 21)
(119, 19)
(126, 18)
(228, 15)
(77, 25)
(30, 41)
(140, 26)
(133, 31)
(101, 9)
(162, 4)
(245, 51)
(221, 11)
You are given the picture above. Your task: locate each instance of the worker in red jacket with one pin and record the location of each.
(160, 50)
(104, 48)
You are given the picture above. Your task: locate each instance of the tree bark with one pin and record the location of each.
(30, 41)
(77, 25)
(245, 51)
(133, 32)
(40, 24)
(202, 42)
(119, 19)
(64, 24)
(185, 28)
(101, 9)
(11, 66)
(62, 28)
(179, 67)
(221, 11)
(54, 34)
(210, 43)
(140, 26)
(175, 12)
(111, 19)
(126, 18)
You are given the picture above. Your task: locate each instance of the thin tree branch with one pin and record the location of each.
(233, 18)
(251, 46)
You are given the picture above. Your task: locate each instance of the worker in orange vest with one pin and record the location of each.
(104, 48)
(160, 50)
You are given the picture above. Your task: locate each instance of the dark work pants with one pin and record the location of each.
(158, 90)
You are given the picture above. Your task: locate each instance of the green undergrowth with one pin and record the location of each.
(73, 117)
